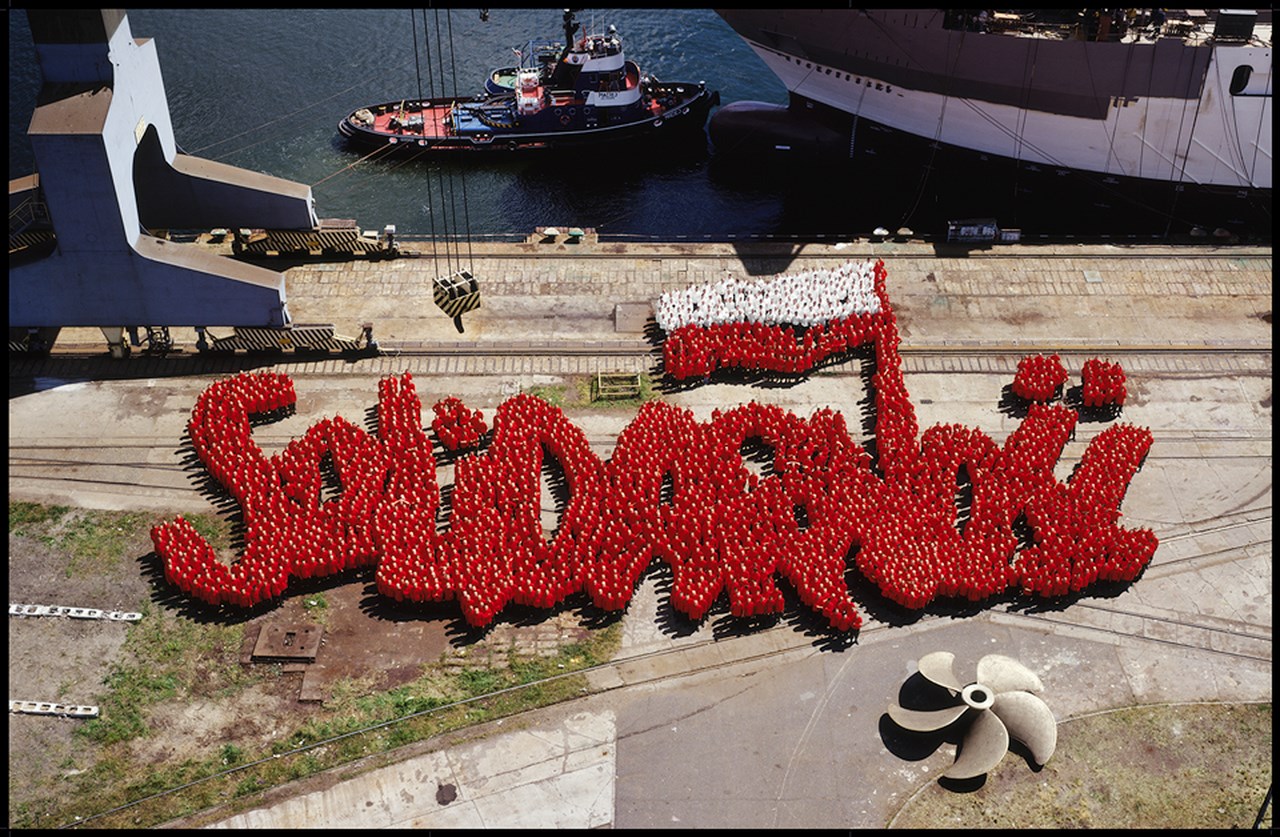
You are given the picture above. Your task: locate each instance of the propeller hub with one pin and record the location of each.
(978, 696)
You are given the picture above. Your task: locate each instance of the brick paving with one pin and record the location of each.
(561, 293)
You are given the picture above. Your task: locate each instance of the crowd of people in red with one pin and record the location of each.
(288, 530)
(1039, 378)
(1103, 383)
(494, 550)
(456, 426)
(674, 489)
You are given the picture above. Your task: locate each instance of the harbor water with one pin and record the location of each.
(264, 89)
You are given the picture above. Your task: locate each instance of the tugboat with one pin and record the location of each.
(588, 93)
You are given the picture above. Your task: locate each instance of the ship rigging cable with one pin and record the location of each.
(448, 200)
(937, 136)
(380, 150)
(1096, 182)
(261, 127)
(1186, 157)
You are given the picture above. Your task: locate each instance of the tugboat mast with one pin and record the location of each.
(570, 27)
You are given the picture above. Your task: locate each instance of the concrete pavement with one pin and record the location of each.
(780, 727)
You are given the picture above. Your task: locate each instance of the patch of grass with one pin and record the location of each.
(247, 786)
(1195, 766)
(26, 518)
(168, 656)
(459, 699)
(96, 541)
(579, 390)
(646, 393)
(553, 394)
(214, 529)
(316, 607)
(530, 669)
(480, 681)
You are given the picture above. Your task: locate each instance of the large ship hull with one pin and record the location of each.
(922, 184)
(1170, 120)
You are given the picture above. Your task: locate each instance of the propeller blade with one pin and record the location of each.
(985, 744)
(1030, 721)
(1005, 674)
(925, 721)
(936, 668)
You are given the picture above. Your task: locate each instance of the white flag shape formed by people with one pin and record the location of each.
(807, 298)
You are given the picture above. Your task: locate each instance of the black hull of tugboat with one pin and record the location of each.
(923, 185)
(679, 124)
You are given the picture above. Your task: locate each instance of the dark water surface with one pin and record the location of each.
(265, 89)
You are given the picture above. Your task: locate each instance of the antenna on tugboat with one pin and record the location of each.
(570, 26)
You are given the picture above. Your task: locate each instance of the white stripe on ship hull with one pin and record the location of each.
(1148, 138)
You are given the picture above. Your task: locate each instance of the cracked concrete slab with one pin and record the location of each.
(550, 777)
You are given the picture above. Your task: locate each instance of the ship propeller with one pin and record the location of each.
(999, 705)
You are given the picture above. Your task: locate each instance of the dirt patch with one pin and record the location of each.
(366, 635)
(58, 659)
(250, 720)
(1195, 766)
(215, 696)
(1020, 318)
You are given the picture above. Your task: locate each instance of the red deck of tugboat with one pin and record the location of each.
(433, 122)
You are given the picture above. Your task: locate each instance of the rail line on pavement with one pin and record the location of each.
(525, 357)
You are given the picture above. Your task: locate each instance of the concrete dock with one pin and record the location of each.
(706, 728)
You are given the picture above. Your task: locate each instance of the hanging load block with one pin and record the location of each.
(457, 293)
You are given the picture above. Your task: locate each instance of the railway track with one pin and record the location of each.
(638, 346)
(514, 358)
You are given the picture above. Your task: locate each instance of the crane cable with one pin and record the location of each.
(450, 216)
(431, 208)
(466, 214)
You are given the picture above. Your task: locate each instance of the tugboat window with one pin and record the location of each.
(1240, 79)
